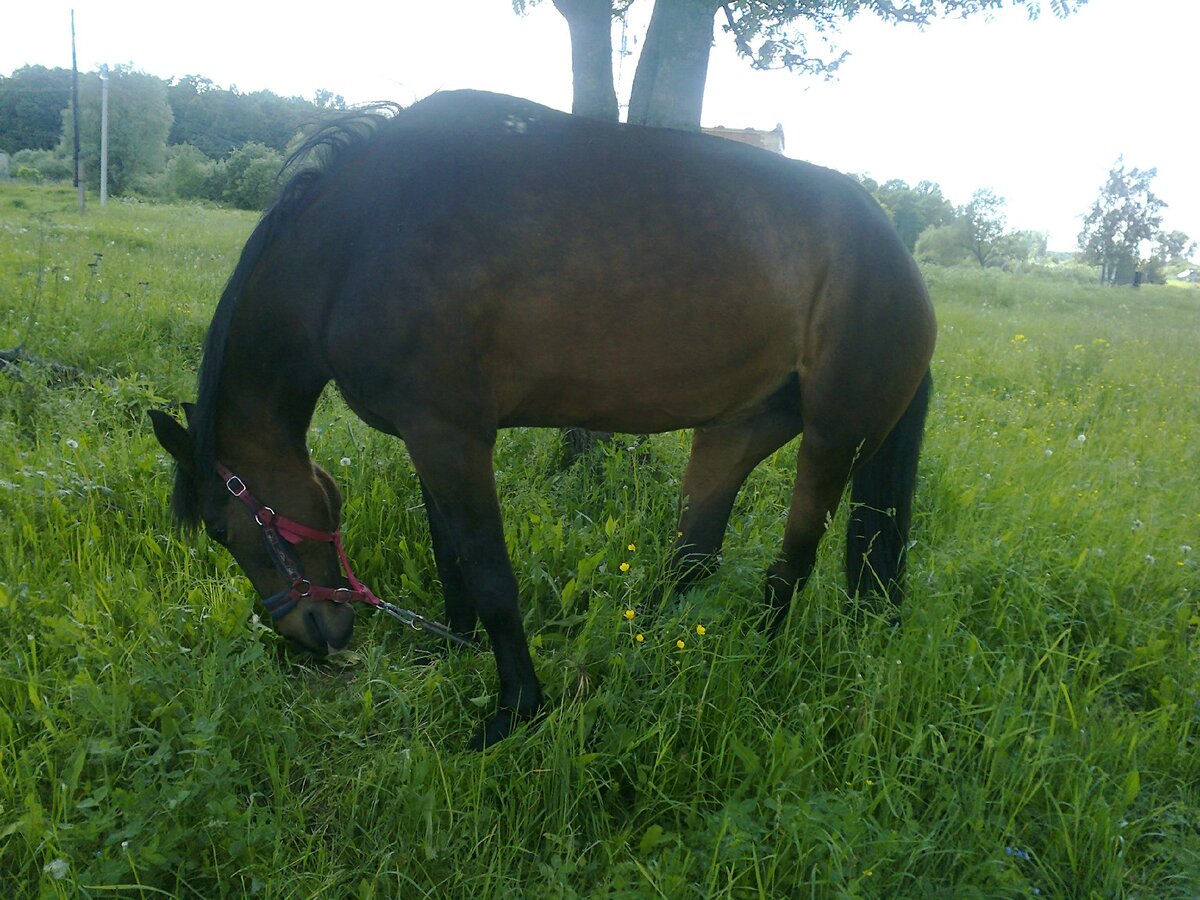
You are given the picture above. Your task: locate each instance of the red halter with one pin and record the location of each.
(279, 532)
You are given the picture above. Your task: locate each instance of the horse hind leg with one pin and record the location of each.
(721, 459)
(822, 468)
(852, 428)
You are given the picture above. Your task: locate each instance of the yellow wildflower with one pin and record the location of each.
(632, 547)
(700, 629)
(629, 614)
(624, 567)
(639, 637)
(680, 644)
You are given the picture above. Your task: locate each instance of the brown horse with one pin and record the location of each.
(476, 262)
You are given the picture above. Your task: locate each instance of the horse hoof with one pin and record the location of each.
(497, 728)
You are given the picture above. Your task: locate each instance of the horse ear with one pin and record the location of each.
(189, 410)
(174, 439)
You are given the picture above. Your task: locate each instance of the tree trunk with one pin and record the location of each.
(590, 22)
(668, 87)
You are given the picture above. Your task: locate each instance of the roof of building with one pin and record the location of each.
(766, 140)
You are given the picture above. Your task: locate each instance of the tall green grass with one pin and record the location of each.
(1029, 728)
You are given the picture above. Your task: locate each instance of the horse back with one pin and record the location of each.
(563, 270)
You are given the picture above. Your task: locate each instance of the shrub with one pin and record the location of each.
(189, 173)
(39, 165)
(251, 176)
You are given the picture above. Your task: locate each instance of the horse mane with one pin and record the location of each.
(323, 152)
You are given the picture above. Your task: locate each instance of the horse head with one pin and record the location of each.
(287, 543)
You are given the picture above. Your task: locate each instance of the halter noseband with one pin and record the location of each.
(278, 533)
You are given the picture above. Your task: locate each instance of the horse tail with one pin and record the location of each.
(881, 505)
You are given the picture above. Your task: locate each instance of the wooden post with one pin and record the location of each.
(75, 115)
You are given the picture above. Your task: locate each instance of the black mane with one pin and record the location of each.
(322, 153)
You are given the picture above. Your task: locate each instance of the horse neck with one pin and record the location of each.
(268, 387)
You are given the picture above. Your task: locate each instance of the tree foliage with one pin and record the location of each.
(944, 245)
(668, 86)
(1124, 221)
(975, 234)
(1175, 247)
(774, 34)
(913, 210)
(984, 220)
(218, 120)
(31, 103)
(251, 176)
(139, 121)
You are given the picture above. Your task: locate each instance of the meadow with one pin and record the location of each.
(1028, 728)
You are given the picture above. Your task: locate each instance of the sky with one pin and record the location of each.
(1038, 112)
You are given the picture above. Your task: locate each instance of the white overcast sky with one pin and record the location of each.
(1036, 111)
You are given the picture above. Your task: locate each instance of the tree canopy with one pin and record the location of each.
(31, 103)
(913, 210)
(984, 219)
(1125, 219)
(139, 119)
(218, 120)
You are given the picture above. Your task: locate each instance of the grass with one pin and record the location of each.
(1029, 728)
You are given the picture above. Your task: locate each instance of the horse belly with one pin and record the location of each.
(630, 371)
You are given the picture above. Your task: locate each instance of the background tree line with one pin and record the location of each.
(185, 139)
(189, 139)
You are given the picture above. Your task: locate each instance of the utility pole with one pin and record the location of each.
(103, 135)
(75, 115)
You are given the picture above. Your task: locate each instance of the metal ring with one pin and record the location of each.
(341, 590)
(307, 587)
(264, 509)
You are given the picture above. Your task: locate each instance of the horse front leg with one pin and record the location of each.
(456, 473)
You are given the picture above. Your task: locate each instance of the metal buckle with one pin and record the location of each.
(241, 486)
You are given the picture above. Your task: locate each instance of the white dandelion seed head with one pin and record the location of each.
(1081, 438)
(56, 869)
(72, 443)
(345, 461)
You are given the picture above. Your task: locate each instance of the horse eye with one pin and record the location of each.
(218, 533)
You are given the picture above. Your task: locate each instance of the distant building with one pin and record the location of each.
(765, 140)
(1191, 276)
